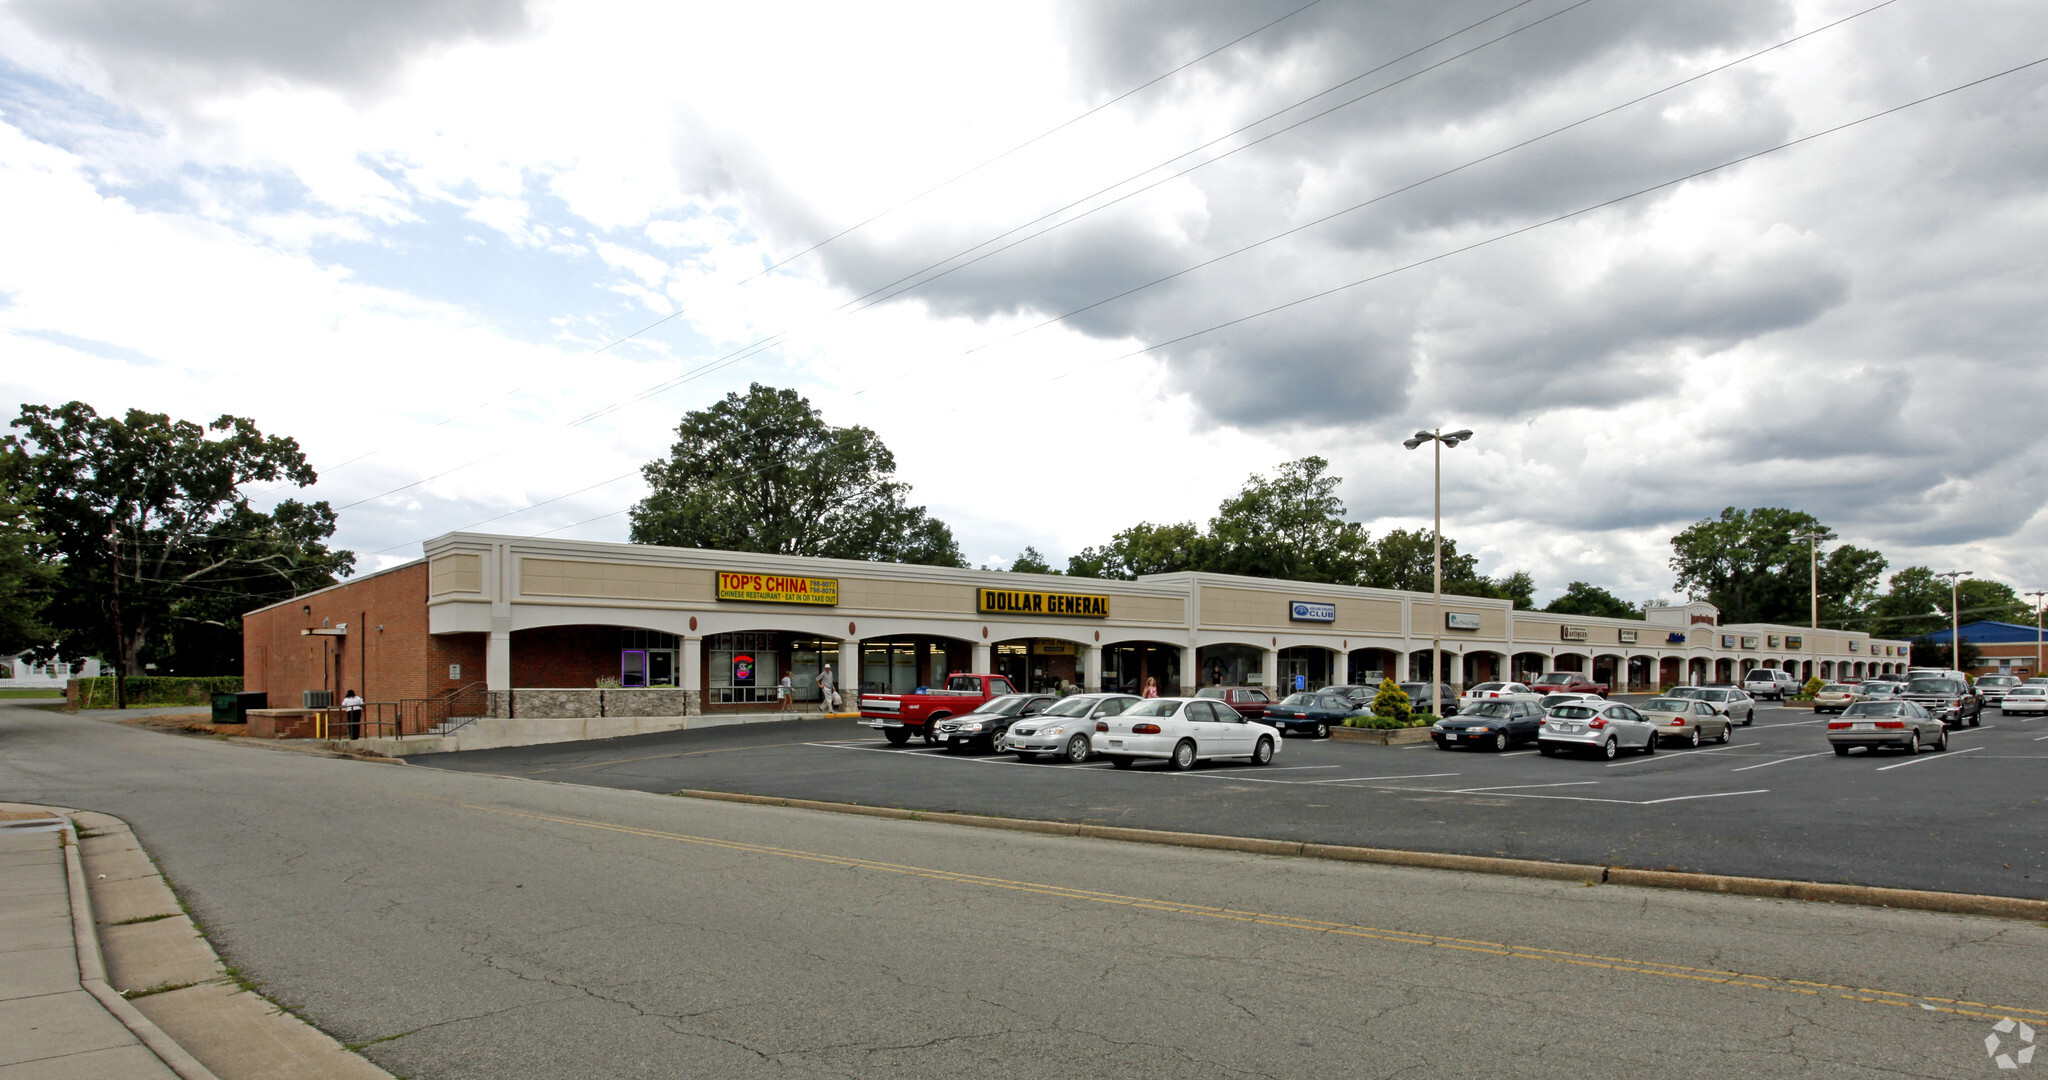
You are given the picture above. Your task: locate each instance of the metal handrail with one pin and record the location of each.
(440, 711)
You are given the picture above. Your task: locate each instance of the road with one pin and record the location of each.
(1773, 803)
(491, 927)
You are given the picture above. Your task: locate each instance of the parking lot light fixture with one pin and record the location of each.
(1813, 540)
(2040, 596)
(1436, 638)
(1955, 616)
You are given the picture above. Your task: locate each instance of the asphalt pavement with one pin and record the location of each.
(458, 924)
(1775, 802)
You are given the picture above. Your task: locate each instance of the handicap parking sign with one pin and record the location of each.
(1301, 682)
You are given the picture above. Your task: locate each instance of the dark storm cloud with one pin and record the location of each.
(203, 45)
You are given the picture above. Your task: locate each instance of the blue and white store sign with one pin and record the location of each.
(1311, 611)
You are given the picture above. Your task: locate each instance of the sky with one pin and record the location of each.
(1079, 264)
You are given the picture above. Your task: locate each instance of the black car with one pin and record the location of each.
(1955, 703)
(1313, 712)
(985, 727)
(1418, 696)
(1493, 725)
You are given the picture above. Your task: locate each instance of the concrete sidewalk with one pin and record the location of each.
(59, 1020)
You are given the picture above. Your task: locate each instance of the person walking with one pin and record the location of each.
(828, 699)
(352, 714)
(783, 691)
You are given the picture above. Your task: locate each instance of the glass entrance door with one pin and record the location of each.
(633, 667)
(661, 667)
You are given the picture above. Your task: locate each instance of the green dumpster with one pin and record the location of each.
(227, 708)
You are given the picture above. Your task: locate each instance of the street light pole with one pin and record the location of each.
(1436, 639)
(1813, 540)
(1955, 615)
(2038, 595)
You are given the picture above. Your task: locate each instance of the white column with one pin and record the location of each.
(847, 676)
(498, 660)
(1340, 668)
(693, 674)
(1091, 669)
(1455, 663)
(1189, 677)
(1269, 673)
(981, 658)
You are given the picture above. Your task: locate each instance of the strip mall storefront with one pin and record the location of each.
(719, 630)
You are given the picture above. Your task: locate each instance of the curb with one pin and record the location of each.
(92, 968)
(1999, 907)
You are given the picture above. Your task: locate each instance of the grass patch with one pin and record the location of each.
(241, 981)
(139, 919)
(31, 695)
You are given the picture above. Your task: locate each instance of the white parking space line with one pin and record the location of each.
(2043, 738)
(1795, 723)
(1924, 760)
(1780, 761)
(1292, 768)
(1353, 779)
(1672, 753)
(1715, 795)
(1511, 787)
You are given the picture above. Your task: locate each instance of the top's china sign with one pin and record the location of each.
(778, 589)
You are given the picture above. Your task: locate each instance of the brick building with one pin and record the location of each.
(2009, 648)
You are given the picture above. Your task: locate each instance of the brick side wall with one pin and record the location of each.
(565, 657)
(399, 661)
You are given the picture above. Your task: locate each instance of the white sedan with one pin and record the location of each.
(1497, 691)
(2026, 698)
(1183, 731)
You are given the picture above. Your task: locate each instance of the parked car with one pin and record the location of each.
(984, 727)
(1313, 712)
(1871, 724)
(899, 716)
(1568, 682)
(1770, 683)
(1067, 729)
(1880, 691)
(1552, 701)
(1950, 700)
(1736, 703)
(1497, 691)
(1249, 701)
(2026, 698)
(1992, 688)
(1687, 720)
(1605, 729)
(1183, 731)
(1495, 725)
(1423, 700)
(1834, 697)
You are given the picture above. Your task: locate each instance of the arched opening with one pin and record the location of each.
(901, 663)
(1231, 664)
(1369, 666)
(1526, 666)
(1670, 672)
(1038, 665)
(1696, 671)
(1484, 667)
(1612, 669)
(1724, 670)
(1305, 667)
(1574, 662)
(1827, 669)
(1771, 665)
(1127, 664)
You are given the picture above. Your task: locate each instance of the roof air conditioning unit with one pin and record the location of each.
(317, 699)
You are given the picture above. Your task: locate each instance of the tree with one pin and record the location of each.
(267, 558)
(765, 473)
(1392, 701)
(27, 581)
(144, 518)
(1581, 598)
(1747, 563)
(1031, 562)
(1143, 549)
(1289, 526)
(1916, 604)
(1519, 587)
(1404, 559)
(1928, 652)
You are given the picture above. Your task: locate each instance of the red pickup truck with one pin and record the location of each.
(899, 716)
(1567, 682)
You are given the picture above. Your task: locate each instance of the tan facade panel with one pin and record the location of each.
(1225, 607)
(1148, 609)
(614, 580)
(458, 573)
(881, 594)
(1493, 622)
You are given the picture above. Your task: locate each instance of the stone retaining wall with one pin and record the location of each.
(541, 703)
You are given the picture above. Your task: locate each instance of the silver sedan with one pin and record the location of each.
(1736, 703)
(1606, 730)
(1900, 724)
(1067, 729)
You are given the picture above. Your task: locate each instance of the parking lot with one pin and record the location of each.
(1774, 803)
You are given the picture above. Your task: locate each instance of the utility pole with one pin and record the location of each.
(2038, 595)
(1813, 540)
(1955, 616)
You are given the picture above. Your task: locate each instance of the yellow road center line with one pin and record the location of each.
(1956, 1006)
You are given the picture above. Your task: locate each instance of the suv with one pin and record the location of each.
(1992, 688)
(1950, 700)
(1770, 683)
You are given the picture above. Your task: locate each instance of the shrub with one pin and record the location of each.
(147, 690)
(1811, 688)
(1392, 702)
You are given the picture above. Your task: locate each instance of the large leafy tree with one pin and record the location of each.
(1581, 598)
(149, 533)
(1143, 549)
(1290, 525)
(1747, 563)
(1920, 603)
(27, 581)
(764, 472)
(1406, 559)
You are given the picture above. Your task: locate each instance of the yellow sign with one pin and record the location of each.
(1015, 602)
(778, 589)
(1053, 648)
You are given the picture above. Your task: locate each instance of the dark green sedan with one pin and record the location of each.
(1489, 725)
(1313, 712)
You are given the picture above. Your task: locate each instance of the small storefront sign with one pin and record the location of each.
(1771, 641)
(743, 669)
(1727, 641)
(1854, 645)
(1628, 637)
(1311, 611)
(1749, 641)
(1574, 633)
(1018, 602)
(1795, 641)
(778, 589)
(1053, 648)
(1460, 620)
